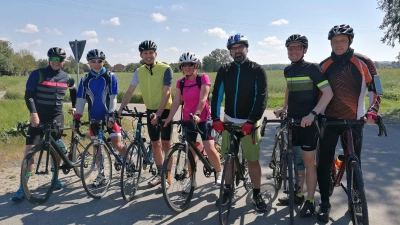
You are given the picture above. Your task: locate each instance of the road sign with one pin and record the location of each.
(77, 48)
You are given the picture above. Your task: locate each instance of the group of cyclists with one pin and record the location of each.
(335, 89)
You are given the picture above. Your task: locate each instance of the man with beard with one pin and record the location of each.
(244, 84)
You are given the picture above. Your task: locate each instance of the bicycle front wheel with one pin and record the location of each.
(131, 171)
(99, 170)
(174, 180)
(358, 201)
(77, 147)
(276, 162)
(226, 194)
(39, 179)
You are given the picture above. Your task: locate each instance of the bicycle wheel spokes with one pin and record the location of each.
(358, 205)
(38, 181)
(174, 180)
(226, 194)
(77, 147)
(131, 171)
(277, 162)
(99, 169)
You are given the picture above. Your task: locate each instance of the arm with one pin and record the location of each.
(72, 93)
(217, 94)
(260, 102)
(205, 89)
(285, 104)
(175, 105)
(80, 100)
(128, 94)
(166, 91)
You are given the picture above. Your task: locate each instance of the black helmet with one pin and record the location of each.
(237, 39)
(95, 54)
(297, 38)
(147, 45)
(56, 52)
(341, 29)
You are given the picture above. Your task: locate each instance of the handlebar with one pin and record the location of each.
(232, 128)
(183, 122)
(293, 122)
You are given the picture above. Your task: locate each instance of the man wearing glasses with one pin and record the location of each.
(244, 84)
(100, 88)
(47, 87)
(155, 80)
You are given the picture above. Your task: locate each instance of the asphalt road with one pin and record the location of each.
(71, 205)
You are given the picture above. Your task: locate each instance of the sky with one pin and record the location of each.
(118, 26)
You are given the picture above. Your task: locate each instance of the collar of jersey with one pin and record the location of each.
(103, 70)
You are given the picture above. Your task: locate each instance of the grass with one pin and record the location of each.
(13, 109)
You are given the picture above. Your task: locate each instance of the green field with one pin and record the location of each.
(13, 109)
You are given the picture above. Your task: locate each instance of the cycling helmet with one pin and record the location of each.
(56, 52)
(341, 29)
(95, 54)
(188, 58)
(147, 45)
(237, 39)
(297, 38)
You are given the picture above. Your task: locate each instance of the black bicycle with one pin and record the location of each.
(38, 179)
(138, 158)
(235, 170)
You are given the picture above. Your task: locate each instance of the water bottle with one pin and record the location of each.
(201, 149)
(149, 153)
(62, 146)
(338, 161)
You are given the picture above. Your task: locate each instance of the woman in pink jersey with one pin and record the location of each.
(195, 102)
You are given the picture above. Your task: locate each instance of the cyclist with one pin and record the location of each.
(304, 82)
(155, 80)
(42, 86)
(99, 87)
(350, 75)
(195, 102)
(244, 84)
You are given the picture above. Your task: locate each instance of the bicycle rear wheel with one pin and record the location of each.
(99, 170)
(224, 209)
(77, 147)
(291, 187)
(131, 171)
(38, 184)
(174, 180)
(358, 200)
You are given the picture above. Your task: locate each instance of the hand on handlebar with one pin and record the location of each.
(279, 112)
(34, 120)
(307, 120)
(218, 125)
(247, 128)
(370, 118)
(154, 118)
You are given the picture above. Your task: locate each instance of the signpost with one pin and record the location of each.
(77, 48)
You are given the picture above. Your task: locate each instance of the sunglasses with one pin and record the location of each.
(56, 59)
(238, 48)
(96, 61)
(187, 64)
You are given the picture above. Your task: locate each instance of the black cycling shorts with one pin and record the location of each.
(305, 137)
(33, 133)
(156, 131)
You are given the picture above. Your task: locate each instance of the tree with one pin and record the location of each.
(391, 21)
(24, 62)
(42, 63)
(6, 53)
(377, 65)
(107, 66)
(131, 67)
(215, 59)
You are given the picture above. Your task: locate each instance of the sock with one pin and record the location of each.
(218, 174)
(159, 169)
(311, 200)
(256, 192)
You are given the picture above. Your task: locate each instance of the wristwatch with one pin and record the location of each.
(198, 114)
(313, 113)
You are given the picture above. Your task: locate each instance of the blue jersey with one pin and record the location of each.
(100, 92)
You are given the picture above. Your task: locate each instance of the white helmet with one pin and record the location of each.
(188, 58)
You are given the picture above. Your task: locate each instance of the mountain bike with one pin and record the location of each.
(183, 168)
(138, 157)
(235, 170)
(355, 185)
(283, 158)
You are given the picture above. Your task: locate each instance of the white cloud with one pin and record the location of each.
(217, 32)
(33, 43)
(35, 52)
(120, 55)
(272, 41)
(171, 49)
(93, 41)
(205, 43)
(175, 7)
(4, 39)
(167, 28)
(185, 30)
(159, 6)
(113, 21)
(29, 28)
(158, 17)
(137, 42)
(89, 33)
(52, 31)
(280, 22)
(112, 40)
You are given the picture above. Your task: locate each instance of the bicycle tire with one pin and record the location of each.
(93, 189)
(276, 160)
(131, 171)
(77, 149)
(358, 205)
(291, 187)
(39, 186)
(224, 211)
(182, 172)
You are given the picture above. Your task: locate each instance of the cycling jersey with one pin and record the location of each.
(152, 84)
(48, 87)
(100, 91)
(304, 80)
(349, 85)
(245, 89)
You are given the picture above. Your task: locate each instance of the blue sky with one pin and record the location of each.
(118, 26)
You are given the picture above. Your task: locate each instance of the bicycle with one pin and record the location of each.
(283, 158)
(351, 164)
(183, 168)
(138, 156)
(35, 184)
(235, 169)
